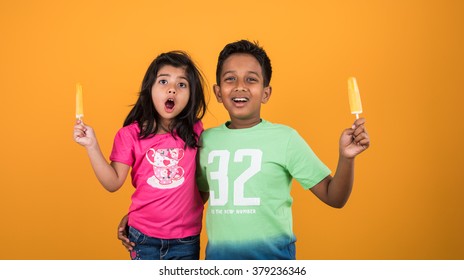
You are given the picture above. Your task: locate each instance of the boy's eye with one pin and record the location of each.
(252, 79)
(229, 79)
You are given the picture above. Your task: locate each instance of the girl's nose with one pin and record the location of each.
(172, 90)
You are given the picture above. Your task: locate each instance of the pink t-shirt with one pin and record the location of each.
(166, 202)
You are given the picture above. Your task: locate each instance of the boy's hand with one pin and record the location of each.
(354, 140)
(122, 234)
(84, 134)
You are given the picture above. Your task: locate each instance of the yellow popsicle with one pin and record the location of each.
(79, 102)
(354, 97)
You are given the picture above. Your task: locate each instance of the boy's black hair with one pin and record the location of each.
(247, 47)
(145, 114)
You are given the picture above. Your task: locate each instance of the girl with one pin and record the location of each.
(159, 142)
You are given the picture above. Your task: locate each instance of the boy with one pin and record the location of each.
(247, 165)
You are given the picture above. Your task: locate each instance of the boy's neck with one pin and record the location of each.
(241, 124)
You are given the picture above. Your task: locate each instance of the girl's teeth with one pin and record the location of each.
(170, 103)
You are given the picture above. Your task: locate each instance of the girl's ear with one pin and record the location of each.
(267, 94)
(217, 93)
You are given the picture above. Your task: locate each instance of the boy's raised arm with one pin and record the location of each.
(336, 190)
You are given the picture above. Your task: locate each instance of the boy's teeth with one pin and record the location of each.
(239, 99)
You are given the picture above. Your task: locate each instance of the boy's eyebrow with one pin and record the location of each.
(253, 72)
(233, 72)
(228, 72)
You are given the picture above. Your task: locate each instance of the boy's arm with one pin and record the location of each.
(204, 196)
(111, 176)
(336, 190)
(123, 233)
(200, 178)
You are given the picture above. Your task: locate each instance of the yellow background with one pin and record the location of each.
(408, 58)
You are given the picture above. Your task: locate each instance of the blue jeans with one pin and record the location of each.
(151, 248)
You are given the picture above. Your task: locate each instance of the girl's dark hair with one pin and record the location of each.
(145, 114)
(246, 47)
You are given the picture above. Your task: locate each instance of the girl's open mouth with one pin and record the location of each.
(169, 104)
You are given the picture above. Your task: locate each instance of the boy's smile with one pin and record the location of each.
(242, 90)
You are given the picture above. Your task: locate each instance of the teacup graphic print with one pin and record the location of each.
(167, 172)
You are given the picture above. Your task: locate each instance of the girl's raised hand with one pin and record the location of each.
(354, 140)
(84, 134)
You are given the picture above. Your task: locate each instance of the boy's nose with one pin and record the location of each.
(240, 85)
(240, 88)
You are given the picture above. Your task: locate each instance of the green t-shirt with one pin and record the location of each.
(248, 173)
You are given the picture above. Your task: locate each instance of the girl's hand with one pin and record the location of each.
(354, 140)
(84, 134)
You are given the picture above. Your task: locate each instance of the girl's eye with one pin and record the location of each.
(183, 85)
(163, 82)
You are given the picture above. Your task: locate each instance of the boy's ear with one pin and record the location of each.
(267, 94)
(217, 92)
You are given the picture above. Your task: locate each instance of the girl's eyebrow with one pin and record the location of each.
(169, 75)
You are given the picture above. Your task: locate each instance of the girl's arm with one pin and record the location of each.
(336, 190)
(111, 176)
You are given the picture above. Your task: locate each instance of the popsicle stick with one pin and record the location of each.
(79, 102)
(354, 97)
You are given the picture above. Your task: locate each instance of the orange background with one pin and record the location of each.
(407, 56)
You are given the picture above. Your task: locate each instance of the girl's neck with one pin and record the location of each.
(162, 127)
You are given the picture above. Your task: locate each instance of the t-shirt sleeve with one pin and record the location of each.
(123, 148)
(198, 128)
(302, 162)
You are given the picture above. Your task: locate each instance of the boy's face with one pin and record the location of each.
(242, 90)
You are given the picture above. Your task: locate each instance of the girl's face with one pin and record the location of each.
(170, 93)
